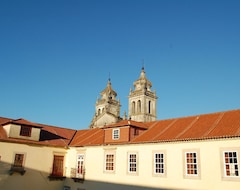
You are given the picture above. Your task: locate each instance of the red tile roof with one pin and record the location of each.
(49, 135)
(206, 126)
(127, 123)
(88, 137)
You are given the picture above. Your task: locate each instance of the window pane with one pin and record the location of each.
(132, 162)
(191, 163)
(159, 163)
(109, 162)
(115, 134)
(231, 164)
(25, 131)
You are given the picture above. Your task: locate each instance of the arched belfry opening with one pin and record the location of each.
(142, 100)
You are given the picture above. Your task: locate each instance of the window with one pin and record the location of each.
(133, 107)
(159, 163)
(132, 163)
(231, 165)
(115, 134)
(80, 165)
(25, 131)
(109, 162)
(136, 131)
(149, 107)
(57, 166)
(139, 106)
(191, 163)
(18, 160)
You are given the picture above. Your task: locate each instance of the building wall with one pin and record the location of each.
(38, 161)
(123, 135)
(13, 131)
(210, 166)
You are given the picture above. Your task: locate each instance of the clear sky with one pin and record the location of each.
(56, 56)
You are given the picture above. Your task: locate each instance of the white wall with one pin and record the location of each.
(210, 166)
(38, 165)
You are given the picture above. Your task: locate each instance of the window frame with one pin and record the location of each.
(25, 131)
(116, 136)
(223, 163)
(197, 164)
(129, 163)
(107, 161)
(80, 165)
(163, 163)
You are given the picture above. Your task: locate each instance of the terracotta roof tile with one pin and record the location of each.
(214, 125)
(88, 137)
(128, 123)
(4, 120)
(228, 125)
(49, 135)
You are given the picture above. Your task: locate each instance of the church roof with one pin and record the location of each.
(108, 90)
(142, 80)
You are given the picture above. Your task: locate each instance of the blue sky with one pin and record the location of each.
(56, 56)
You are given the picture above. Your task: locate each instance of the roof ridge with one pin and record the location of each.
(201, 114)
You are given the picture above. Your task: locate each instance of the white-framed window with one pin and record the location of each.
(115, 134)
(191, 164)
(109, 162)
(159, 163)
(231, 164)
(80, 165)
(132, 163)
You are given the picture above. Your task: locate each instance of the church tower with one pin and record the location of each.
(142, 102)
(107, 109)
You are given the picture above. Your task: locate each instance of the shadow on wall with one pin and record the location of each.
(30, 179)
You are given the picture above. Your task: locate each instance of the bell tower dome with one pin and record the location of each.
(142, 102)
(107, 109)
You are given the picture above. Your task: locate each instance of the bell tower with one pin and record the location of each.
(142, 102)
(107, 109)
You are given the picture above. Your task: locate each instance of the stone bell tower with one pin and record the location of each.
(142, 102)
(107, 109)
